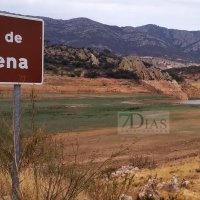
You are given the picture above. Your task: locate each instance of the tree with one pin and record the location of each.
(107, 51)
(65, 62)
(47, 41)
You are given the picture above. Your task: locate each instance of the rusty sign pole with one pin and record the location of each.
(16, 143)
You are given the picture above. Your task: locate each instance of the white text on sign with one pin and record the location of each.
(22, 63)
(9, 38)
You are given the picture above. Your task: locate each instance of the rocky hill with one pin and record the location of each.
(135, 65)
(65, 60)
(82, 62)
(148, 40)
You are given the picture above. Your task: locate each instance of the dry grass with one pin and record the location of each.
(183, 169)
(49, 171)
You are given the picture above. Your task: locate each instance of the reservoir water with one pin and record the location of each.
(190, 102)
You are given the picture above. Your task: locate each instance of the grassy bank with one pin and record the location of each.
(83, 112)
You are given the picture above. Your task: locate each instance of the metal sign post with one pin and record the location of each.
(16, 143)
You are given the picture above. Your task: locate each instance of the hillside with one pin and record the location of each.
(148, 40)
(88, 63)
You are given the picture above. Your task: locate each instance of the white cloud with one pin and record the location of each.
(179, 14)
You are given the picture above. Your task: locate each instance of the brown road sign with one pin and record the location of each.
(21, 50)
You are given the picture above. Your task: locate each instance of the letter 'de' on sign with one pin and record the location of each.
(21, 50)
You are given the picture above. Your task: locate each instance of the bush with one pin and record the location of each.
(147, 64)
(91, 74)
(101, 189)
(47, 67)
(107, 51)
(55, 70)
(177, 73)
(108, 65)
(77, 73)
(176, 76)
(80, 64)
(125, 74)
(50, 60)
(143, 162)
(65, 62)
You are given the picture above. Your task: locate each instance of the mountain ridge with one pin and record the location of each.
(148, 40)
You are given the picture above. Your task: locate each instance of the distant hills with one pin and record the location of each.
(148, 40)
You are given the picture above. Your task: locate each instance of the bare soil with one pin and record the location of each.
(164, 148)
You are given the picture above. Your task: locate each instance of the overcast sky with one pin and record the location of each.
(177, 14)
